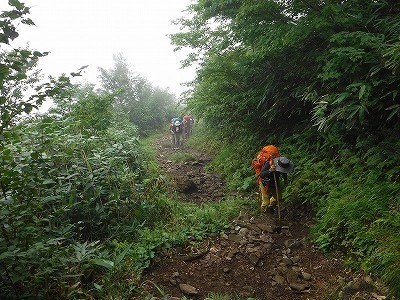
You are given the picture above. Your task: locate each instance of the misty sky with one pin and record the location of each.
(89, 32)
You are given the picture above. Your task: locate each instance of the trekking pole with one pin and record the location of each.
(271, 162)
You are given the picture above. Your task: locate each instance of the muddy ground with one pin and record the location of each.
(257, 257)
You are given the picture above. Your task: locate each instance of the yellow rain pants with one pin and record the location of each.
(268, 196)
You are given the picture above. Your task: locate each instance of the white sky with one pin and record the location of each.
(89, 32)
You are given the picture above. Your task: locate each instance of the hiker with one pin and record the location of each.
(269, 167)
(175, 128)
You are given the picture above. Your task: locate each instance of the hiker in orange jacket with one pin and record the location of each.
(269, 167)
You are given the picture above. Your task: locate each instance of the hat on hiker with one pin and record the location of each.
(283, 164)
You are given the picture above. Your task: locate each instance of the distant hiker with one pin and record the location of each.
(269, 166)
(176, 129)
(186, 125)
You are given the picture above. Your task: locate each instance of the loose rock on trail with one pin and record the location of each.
(257, 257)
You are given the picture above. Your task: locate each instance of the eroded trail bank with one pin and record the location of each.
(256, 257)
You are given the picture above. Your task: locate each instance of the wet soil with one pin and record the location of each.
(257, 257)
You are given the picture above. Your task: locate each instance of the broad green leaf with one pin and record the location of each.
(393, 112)
(48, 181)
(27, 21)
(362, 91)
(18, 5)
(103, 263)
(25, 53)
(122, 255)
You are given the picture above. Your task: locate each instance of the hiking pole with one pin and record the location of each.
(276, 190)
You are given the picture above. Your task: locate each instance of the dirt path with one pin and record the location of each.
(256, 258)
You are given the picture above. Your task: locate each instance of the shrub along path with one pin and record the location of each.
(257, 257)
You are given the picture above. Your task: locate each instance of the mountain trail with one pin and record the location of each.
(257, 257)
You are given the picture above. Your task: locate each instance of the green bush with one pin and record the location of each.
(61, 193)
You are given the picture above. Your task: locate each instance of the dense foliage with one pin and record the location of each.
(320, 79)
(72, 180)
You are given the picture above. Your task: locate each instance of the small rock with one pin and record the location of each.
(266, 239)
(279, 279)
(253, 259)
(295, 259)
(306, 276)
(267, 246)
(251, 248)
(291, 276)
(188, 289)
(265, 228)
(235, 238)
(298, 286)
(296, 269)
(282, 270)
(227, 270)
(293, 244)
(287, 261)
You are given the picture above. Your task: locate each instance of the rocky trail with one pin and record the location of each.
(257, 257)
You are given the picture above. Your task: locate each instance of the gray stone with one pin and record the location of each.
(235, 238)
(232, 253)
(287, 261)
(306, 276)
(295, 259)
(253, 259)
(296, 269)
(291, 276)
(279, 279)
(298, 286)
(282, 270)
(265, 228)
(252, 248)
(266, 238)
(267, 246)
(188, 289)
